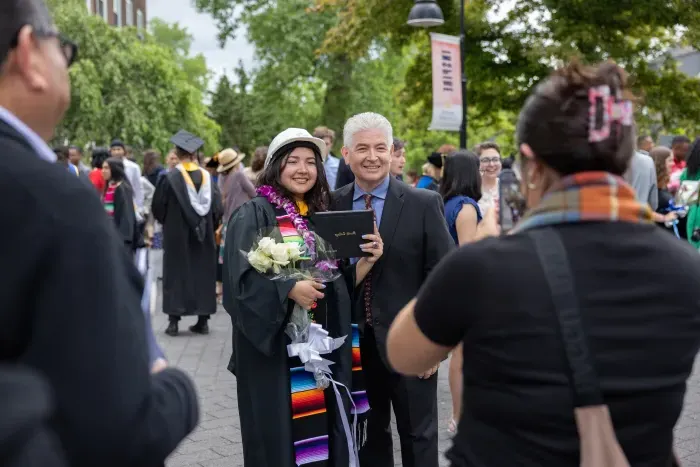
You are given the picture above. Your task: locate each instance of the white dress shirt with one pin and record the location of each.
(331, 168)
(39, 145)
(133, 174)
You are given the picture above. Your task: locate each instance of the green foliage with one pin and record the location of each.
(507, 52)
(293, 80)
(323, 60)
(500, 128)
(122, 86)
(295, 85)
(252, 113)
(178, 40)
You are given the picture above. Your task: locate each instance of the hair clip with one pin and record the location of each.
(605, 109)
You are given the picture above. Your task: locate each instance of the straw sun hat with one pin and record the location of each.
(228, 159)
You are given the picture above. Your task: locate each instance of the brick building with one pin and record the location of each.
(120, 12)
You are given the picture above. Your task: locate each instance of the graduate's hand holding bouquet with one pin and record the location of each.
(312, 264)
(286, 261)
(305, 293)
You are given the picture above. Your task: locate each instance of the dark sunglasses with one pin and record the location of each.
(68, 47)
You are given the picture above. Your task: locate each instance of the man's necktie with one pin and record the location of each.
(368, 278)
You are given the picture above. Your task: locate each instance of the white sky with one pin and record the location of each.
(203, 29)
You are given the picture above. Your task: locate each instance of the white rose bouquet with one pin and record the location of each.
(310, 259)
(272, 256)
(280, 260)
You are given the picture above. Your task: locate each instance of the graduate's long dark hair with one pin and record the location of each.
(318, 197)
(118, 174)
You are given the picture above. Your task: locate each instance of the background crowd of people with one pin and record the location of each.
(567, 346)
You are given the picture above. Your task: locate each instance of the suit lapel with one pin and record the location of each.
(342, 199)
(390, 219)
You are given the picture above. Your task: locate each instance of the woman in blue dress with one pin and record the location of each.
(460, 189)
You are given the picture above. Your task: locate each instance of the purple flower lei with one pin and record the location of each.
(292, 211)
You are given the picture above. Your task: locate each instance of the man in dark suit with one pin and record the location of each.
(345, 175)
(413, 229)
(70, 297)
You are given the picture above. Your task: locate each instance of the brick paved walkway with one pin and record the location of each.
(217, 440)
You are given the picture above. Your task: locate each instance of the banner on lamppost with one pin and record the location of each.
(447, 84)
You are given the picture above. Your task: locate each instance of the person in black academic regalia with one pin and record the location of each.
(188, 205)
(286, 420)
(118, 200)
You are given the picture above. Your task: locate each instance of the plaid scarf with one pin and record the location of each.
(587, 197)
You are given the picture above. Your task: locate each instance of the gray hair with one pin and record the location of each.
(367, 121)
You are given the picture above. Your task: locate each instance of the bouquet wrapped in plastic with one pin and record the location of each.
(310, 259)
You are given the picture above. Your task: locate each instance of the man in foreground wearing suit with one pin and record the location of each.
(413, 228)
(70, 310)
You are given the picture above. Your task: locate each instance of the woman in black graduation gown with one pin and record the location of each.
(285, 420)
(118, 200)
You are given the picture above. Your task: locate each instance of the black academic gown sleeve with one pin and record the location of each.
(159, 204)
(125, 216)
(217, 204)
(258, 306)
(258, 309)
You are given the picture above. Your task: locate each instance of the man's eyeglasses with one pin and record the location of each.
(492, 160)
(68, 47)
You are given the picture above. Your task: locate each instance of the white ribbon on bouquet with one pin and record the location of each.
(309, 352)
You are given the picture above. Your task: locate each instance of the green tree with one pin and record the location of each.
(222, 110)
(287, 35)
(307, 82)
(126, 87)
(231, 107)
(177, 39)
(507, 52)
(268, 107)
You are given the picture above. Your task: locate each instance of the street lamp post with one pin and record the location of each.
(427, 14)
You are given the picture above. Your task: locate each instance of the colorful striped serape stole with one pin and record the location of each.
(359, 394)
(289, 232)
(309, 415)
(108, 200)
